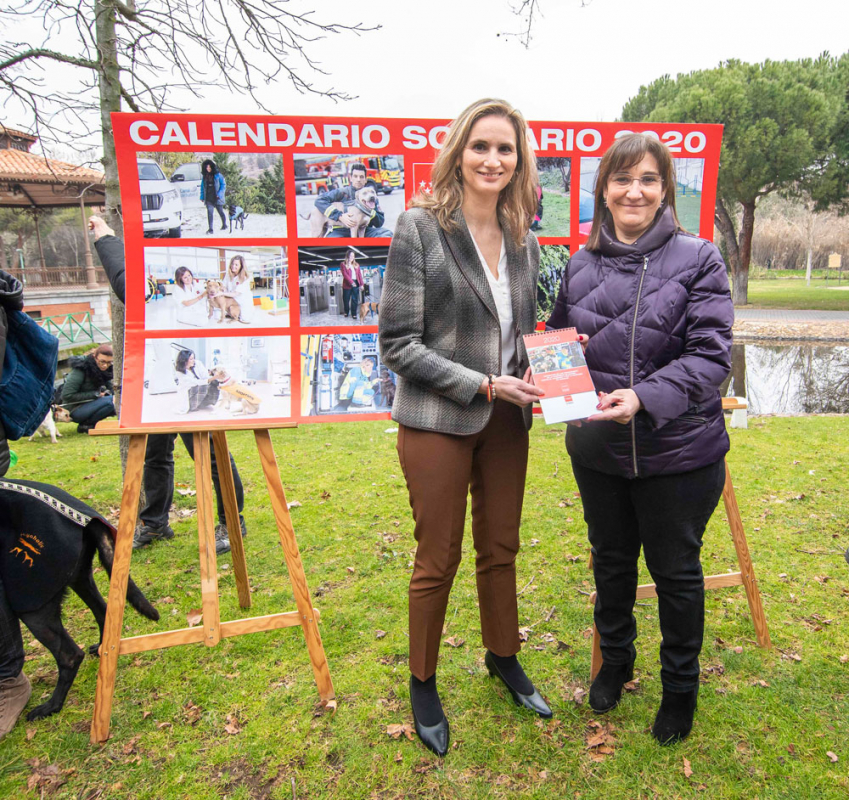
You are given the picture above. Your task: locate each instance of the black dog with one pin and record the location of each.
(47, 542)
(238, 215)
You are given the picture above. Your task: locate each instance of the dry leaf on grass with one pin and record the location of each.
(30, 733)
(455, 641)
(524, 633)
(293, 504)
(578, 696)
(194, 617)
(192, 713)
(396, 730)
(379, 634)
(130, 747)
(233, 726)
(325, 495)
(330, 706)
(186, 492)
(688, 770)
(632, 686)
(832, 757)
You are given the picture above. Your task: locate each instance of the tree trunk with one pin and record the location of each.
(808, 265)
(726, 225)
(109, 86)
(747, 229)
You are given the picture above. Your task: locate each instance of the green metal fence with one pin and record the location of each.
(67, 328)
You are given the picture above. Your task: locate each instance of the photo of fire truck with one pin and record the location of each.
(319, 174)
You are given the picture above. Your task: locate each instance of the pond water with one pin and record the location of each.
(790, 379)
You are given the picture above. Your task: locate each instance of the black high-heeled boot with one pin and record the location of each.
(521, 689)
(606, 690)
(674, 719)
(428, 718)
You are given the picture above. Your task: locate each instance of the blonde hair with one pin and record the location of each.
(242, 275)
(517, 202)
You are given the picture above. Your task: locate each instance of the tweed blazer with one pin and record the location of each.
(439, 328)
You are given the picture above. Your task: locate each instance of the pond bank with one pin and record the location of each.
(746, 330)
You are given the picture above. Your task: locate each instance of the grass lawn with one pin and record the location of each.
(770, 723)
(555, 216)
(794, 294)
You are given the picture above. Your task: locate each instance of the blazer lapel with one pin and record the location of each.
(465, 255)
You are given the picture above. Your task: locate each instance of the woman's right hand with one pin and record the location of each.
(514, 390)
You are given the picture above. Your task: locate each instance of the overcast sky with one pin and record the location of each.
(431, 58)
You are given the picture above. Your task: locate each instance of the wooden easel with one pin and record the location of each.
(745, 577)
(212, 629)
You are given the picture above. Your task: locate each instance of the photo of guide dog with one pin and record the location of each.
(554, 357)
(338, 195)
(341, 373)
(340, 285)
(216, 379)
(212, 194)
(216, 287)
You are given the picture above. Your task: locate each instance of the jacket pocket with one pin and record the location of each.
(693, 418)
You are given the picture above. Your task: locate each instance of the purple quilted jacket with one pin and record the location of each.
(658, 313)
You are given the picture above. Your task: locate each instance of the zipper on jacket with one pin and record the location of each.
(633, 336)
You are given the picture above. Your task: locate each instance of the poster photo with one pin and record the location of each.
(348, 196)
(216, 288)
(205, 194)
(341, 373)
(216, 379)
(340, 284)
(257, 247)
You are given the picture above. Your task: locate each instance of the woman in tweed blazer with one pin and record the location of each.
(459, 293)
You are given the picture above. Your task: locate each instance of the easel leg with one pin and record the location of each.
(750, 583)
(110, 644)
(231, 513)
(206, 540)
(293, 563)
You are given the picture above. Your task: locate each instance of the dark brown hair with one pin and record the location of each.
(623, 154)
(517, 201)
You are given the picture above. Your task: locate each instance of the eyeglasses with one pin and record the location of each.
(624, 181)
(104, 362)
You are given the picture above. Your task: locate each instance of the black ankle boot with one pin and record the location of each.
(674, 719)
(521, 689)
(606, 690)
(423, 695)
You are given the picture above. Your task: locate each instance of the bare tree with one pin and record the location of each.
(529, 12)
(133, 54)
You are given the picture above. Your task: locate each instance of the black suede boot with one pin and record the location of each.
(606, 690)
(674, 719)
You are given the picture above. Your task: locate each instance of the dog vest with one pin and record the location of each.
(240, 392)
(41, 540)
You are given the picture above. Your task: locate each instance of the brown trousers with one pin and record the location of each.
(440, 468)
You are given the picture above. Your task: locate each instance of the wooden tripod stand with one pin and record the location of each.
(212, 630)
(745, 577)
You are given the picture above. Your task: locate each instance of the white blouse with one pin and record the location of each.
(500, 289)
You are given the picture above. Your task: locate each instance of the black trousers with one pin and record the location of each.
(159, 478)
(11, 644)
(667, 516)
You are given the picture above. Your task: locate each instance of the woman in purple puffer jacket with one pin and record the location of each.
(655, 304)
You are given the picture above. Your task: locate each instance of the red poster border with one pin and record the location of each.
(402, 137)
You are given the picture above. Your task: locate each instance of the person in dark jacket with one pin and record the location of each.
(357, 176)
(159, 456)
(87, 392)
(655, 303)
(212, 189)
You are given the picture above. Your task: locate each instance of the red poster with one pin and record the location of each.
(256, 248)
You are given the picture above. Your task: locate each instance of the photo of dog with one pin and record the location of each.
(361, 209)
(235, 397)
(37, 576)
(48, 424)
(387, 387)
(218, 301)
(238, 215)
(368, 309)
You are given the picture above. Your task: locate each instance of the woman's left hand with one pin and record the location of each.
(618, 406)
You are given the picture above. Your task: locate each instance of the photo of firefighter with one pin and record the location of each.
(338, 195)
(342, 374)
(340, 285)
(555, 357)
(199, 195)
(216, 287)
(216, 379)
